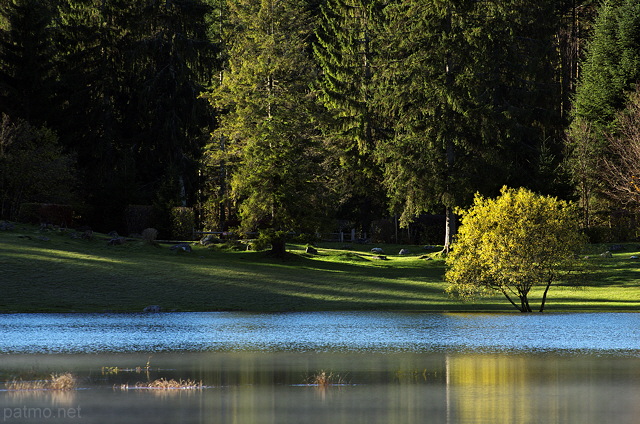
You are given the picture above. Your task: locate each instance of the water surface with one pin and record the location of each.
(388, 367)
(330, 331)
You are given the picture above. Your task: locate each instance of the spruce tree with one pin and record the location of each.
(610, 71)
(269, 131)
(612, 63)
(174, 60)
(345, 50)
(26, 59)
(469, 88)
(93, 97)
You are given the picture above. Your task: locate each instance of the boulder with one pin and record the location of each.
(404, 252)
(379, 257)
(377, 250)
(6, 226)
(208, 240)
(606, 254)
(181, 247)
(149, 235)
(116, 241)
(634, 257)
(311, 250)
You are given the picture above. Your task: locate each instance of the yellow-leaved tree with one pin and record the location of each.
(512, 244)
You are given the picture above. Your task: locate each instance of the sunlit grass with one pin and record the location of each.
(64, 274)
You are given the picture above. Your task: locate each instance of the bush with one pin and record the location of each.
(183, 221)
(149, 235)
(138, 217)
(46, 213)
(512, 244)
(33, 169)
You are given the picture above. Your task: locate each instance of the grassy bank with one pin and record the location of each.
(50, 271)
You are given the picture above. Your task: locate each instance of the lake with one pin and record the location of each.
(385, 367)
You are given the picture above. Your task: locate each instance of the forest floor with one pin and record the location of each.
(49, 271)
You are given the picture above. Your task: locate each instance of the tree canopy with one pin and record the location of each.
(338, 111)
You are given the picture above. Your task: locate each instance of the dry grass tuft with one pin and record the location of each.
(164, 384)
(324, 379)
(62, 382)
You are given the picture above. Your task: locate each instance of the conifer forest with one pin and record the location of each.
(314, 116)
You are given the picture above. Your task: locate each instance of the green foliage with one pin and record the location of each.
(270, 141)
(513, 244)
(33, 167)
(345, 50)
(465, 112)
(183, 222)
(610, 70)
(26, 59)
(612, 63)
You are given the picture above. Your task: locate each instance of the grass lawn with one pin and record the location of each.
(61, 274)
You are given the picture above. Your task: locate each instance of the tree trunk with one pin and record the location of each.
(544, 296)
(450, 229)
(278, 247)
(524, 301)
(512, 302)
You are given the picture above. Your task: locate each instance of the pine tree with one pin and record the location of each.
(269, 132)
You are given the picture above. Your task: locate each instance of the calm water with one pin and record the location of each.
(392, 368)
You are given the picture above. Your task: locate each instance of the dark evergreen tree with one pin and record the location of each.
(174, 60)
(470, 89)
(610, 71)
(345, 51)
(94, 92)
(612, 63)
(26, 59)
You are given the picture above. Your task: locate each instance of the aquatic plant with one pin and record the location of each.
(66, 381)
(324, 379)
(164, 384)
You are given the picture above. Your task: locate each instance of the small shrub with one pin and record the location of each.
(150, 235)
(183, 221)
(138, 217)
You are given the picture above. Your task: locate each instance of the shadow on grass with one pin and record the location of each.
(74, 275)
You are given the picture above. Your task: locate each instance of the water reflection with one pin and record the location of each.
(521, 389)
(399, 368)
(263, 387)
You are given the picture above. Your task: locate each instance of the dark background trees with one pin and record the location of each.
(354, 110)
